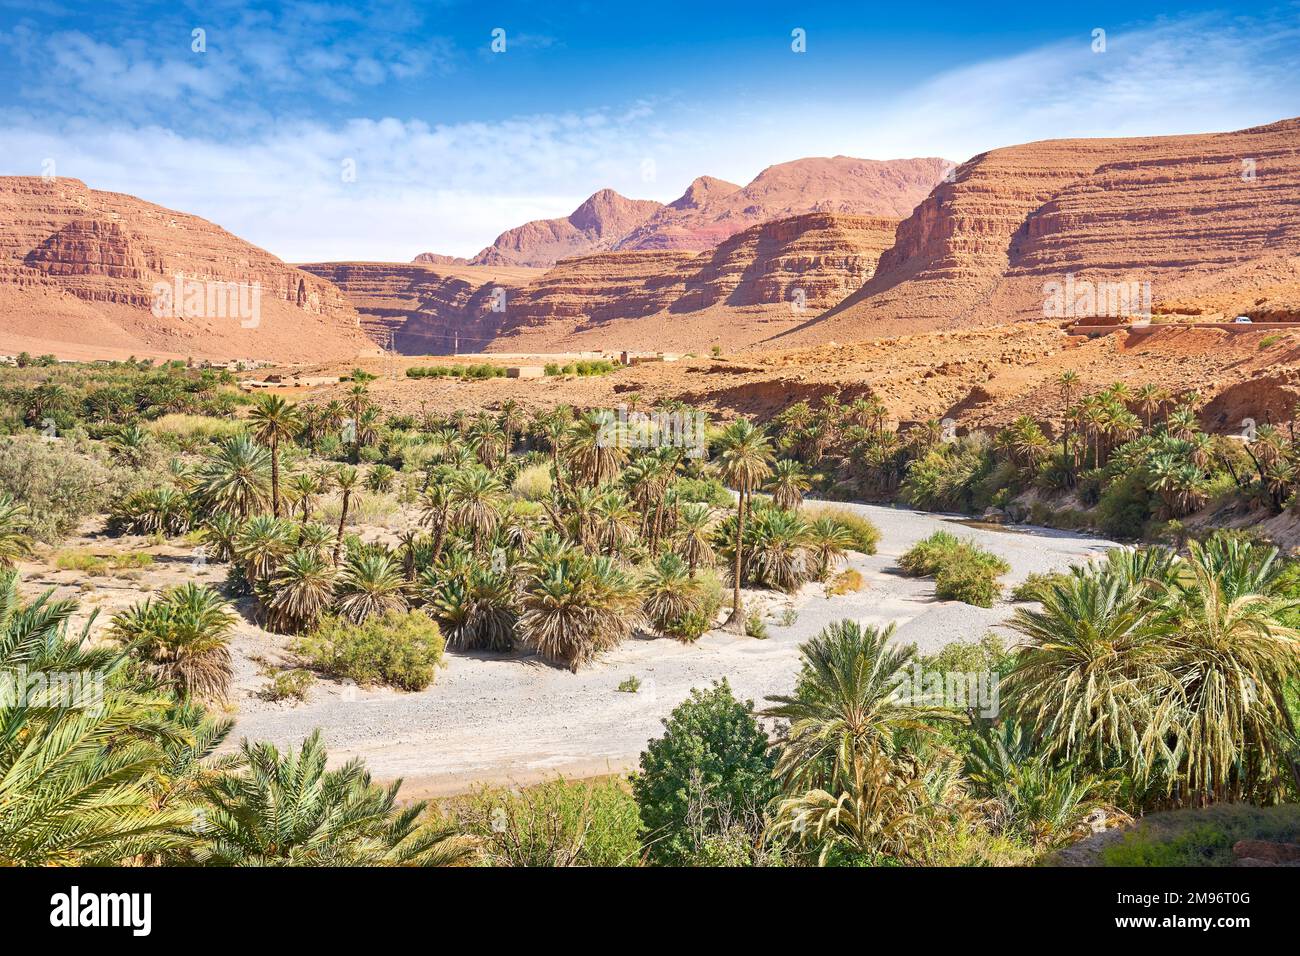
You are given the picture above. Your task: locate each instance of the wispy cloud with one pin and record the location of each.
(277, 177)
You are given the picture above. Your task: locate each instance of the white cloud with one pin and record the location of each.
(452, 188)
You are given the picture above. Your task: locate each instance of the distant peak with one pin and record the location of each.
(701, 190)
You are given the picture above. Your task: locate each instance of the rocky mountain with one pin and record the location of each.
(598, 224)
(437, 259)
(712, 210)
(91, 274)
(429, 308)
(1209, 223)
(777, 271)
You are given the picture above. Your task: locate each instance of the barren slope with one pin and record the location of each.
(1190, 215)
(78, 268)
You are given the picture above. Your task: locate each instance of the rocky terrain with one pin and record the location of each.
(78, 269)
(1211, 221)
(712, 210)
(599, 223)
(766, 278)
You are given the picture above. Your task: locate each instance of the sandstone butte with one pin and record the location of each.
(78, 269)
(1211, 221)
(768, 277)
(712, 210)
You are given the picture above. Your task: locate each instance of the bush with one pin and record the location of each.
(846, 582)
(865, 535)
(962, 570)
(93, 564)
(288, 685)
(558, 823)
(59, 486)
(925, 557)
(710, 491)
(1126, 506)
(966, 578)
(1033, 587)
(532, 483)
(1202, 837)
(400, 648)
(709, 772)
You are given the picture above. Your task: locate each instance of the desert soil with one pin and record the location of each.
(512, 719)
(515, 720)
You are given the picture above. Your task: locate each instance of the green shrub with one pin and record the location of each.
(401, 649)
(1125, 506)
(925, 557)
(1033, 587)
(288, 685)
(970, 582)
(558, 823)
(865, 535)
(962, 570)
(710, 491)
(711, 770)
(1202, 837)
(59, 487)
(532, 483)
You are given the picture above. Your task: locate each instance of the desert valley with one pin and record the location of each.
(924, 511)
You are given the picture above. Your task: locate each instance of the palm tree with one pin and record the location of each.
(288, 810)
(1148, 398)
(512, 421)
(577, 608)
(695, 523)
(274, 420)
(74, 769)
(787, 484)
(1088, 683)
(262, 543)
(744, 460)
(236, 478)
(371, 584)
(183, 637)
(489, 441)
(437, 505)
(778, 549)
(14, 542)
(595, 452)
(828, 542)
(220, 532)
(475, 496)
(356, 404)
(477, 610)
(345, 479)
(671, 594)
(305, 488)
(302, 590)
(848, 784)
(1233, 661)
(615, 520)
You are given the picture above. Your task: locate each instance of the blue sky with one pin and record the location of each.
(357, 130)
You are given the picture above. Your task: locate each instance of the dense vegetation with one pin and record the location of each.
(1155, 679)
(1129, 462)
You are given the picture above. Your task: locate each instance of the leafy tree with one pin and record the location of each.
(709, 770)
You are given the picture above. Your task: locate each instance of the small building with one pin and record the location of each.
(525, 371)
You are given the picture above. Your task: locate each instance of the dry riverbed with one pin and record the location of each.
(513, 719)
